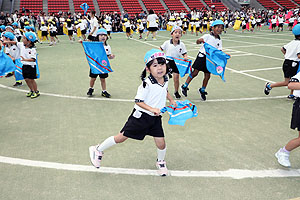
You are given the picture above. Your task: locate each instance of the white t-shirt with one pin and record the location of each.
(210, 39)
(107, 27)
(154, 94)
(296, 78)
(171, 50)
(152, 20)
(44, 28)
(94, 24)
(27, 53)
(13, 51)
(292, 50)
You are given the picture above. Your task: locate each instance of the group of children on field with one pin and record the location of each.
(25, 51)
(152, 94)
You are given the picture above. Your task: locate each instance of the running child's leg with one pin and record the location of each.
(161, 153)
(184, 87)
(176, 81)
(283, 154)
(293, 144)
(103, 84)
(92, 82)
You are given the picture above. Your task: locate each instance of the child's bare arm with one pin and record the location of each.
(170, 98)
(294, 85)
(283, 50)
(200, 40)
(156, 111)
(9, 42)
(27, 60)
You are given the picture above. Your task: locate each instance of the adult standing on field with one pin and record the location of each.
(153, 25)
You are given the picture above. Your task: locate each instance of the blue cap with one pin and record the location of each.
(15, 24)
(217, 22)
(2, 27)
(9, 35)
(153, 54)
(296, 29)
(101, 31)
(27, 27)
(9, 27)
(176, 28)
(30, 36)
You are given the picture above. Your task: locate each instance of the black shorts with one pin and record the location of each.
(197, 28)
(108, 32)
(290, 68)
(172, 67)
(128, 30)
(140, 124)
(185, 28)
(291, 24)
(52, 34)
(83, 31)
(205, 26)
(29, 71)
(96, 75)
(258, 23)
(44, 33)
(92, 38)
(152, 29)
(280, 25)
(226, 25)
(273, 25)
(141, 31)
(70, 32)
(200, 64)
(244, 27)
(253, 25)
(295, 122)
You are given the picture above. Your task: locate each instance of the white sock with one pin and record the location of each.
(161, 154)
(107, 143)
(284, 150)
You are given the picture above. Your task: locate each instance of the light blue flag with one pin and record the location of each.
(184, 66)
(18, 71)
(96, 57)
(216, 60)
(178, 115)
(6, 64)
(19, 66)
(84, 7)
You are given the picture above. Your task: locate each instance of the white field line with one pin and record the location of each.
(132, 101)
(258, 37)
(231, 173)
(263, 69)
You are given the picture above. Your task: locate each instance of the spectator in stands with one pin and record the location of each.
(2, 19)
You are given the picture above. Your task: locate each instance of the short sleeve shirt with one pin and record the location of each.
(175, 51)
(213, 41)
(292, 50)
(154, 94)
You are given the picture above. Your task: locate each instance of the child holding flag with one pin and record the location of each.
(283, 154)
(28, 59)
(200, 63)
(102, 36)
(175, 48)
(290, 65)
(145, 118)
(12, 51)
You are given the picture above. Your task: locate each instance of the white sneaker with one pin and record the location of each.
(162, 168)
(283, 158)
(95, 156)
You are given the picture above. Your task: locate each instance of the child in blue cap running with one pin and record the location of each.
(145, 118)
(290, 65)
(200, 63)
